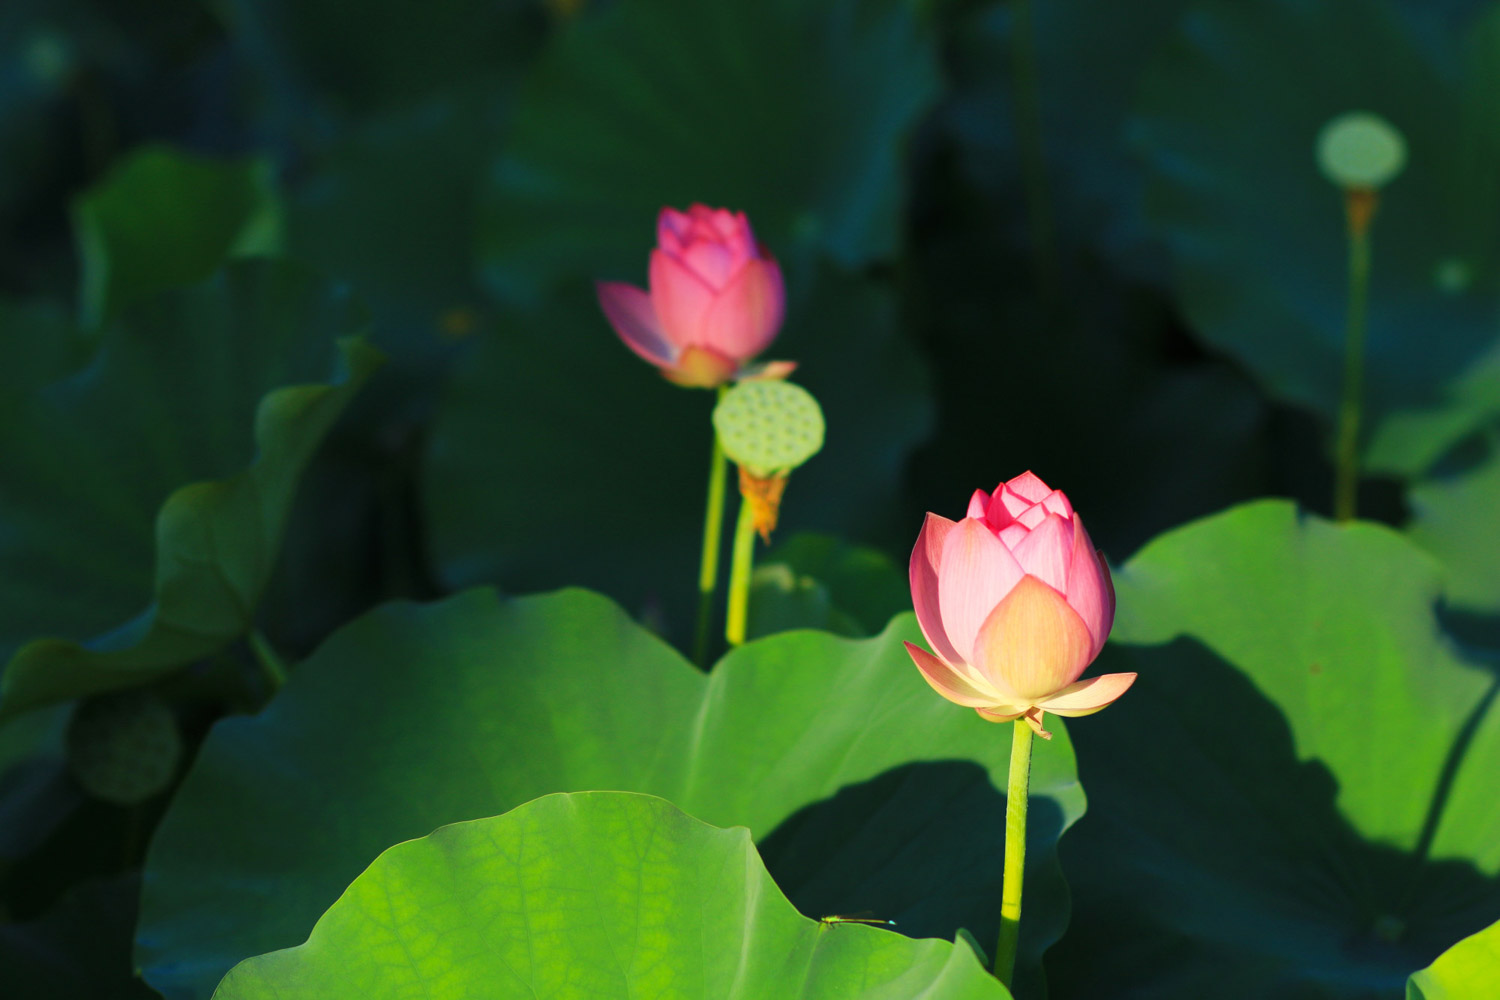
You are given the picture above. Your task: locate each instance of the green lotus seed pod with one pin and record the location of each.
(1360, 150)
(1453, 275)
(768, 426)
(124, 747)
(49, 57)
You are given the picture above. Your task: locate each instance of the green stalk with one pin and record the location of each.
(1346, 485)
(1015, 851)
(739, 576)
(713, 533)
(1033, 158)
(270, 664)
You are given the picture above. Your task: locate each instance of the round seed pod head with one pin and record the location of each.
(124, 747)
(1359, 149)
(769, 426)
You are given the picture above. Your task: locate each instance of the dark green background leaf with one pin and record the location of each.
(192, 421)
(1296, 798)
(1090, 58)
(312, 53)
(817, 581)
(40, 343)
(791, 110)
(1457, 519)
(1257, 233)
(560, 457)
(165, 218)
(80, 948)
(410, 257)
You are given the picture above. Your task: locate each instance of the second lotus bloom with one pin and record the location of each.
(1015, 603)
(716, 299)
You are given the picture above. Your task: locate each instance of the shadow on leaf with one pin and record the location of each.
(1213, 861)
(922, 845)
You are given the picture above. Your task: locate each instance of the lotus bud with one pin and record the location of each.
(1015, 603)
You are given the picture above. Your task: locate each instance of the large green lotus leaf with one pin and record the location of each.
(792, 110)
(605, 487)
(1467, 971)
(415, 716)
(591, 896)
(181, 443)
(1297, 796)
(1257, 234)
(1454, 518)
(164, 218)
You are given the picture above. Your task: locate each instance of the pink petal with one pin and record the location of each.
(748, 311)
(1089, 589)
(1014, 503)
(713, 262)
(742, 240)
(1033, 644)
(1047, 551)
(630, 312)
(671, 221)
(1056, 502)
(682, 299)
(926, 555)
(975, 573)
(995, 513)
(707, 223)
(1029, 487)
(946, 681)
(1033, 515)
(1089, 696)
(979, 504)
(724, 222)
(670, 243)
(1012, 534)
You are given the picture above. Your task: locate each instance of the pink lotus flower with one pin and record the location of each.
(716, 300)
(1015, 602)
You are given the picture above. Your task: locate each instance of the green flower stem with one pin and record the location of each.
(739, 576)
(270, 664)
(1028, 113)
(713, 533)
(1015, 851)
(1346, 486)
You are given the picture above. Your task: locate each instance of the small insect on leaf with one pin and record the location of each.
(832, 919)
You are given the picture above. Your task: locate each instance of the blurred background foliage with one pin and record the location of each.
(296, 318)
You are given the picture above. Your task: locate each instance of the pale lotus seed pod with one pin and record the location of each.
(768, 426)
(1360, 150)
(124, 747)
